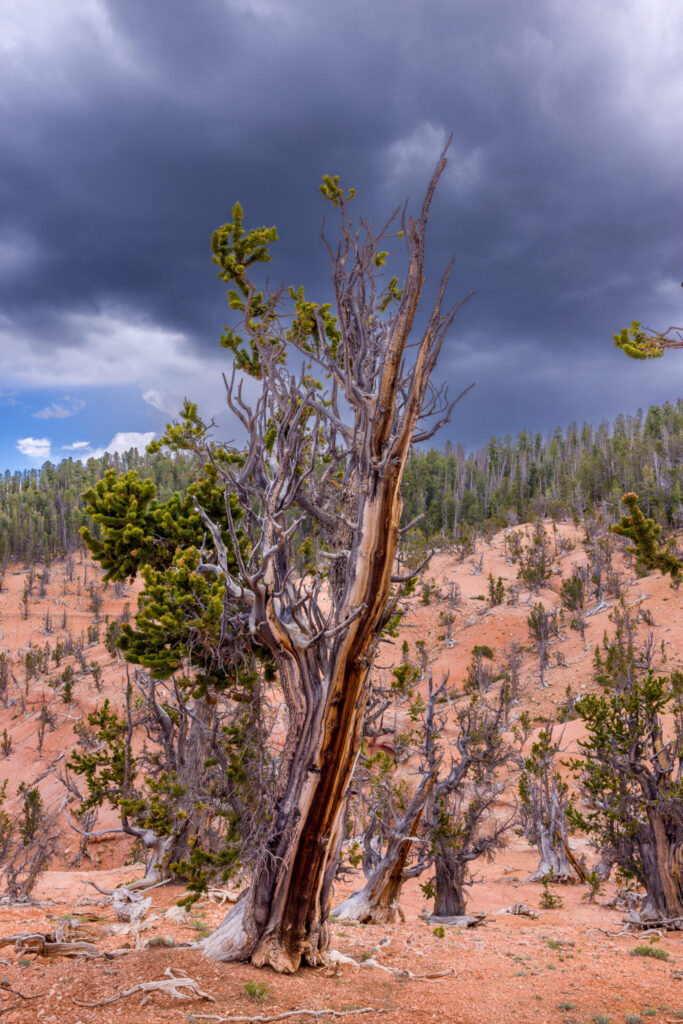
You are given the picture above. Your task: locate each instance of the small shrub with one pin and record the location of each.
(549, 900)
(256, 990)
(655, 952)
(439, 932)
(595, 886)
(6, 743)
(567, 1007)
(496, 591)
(201, 926)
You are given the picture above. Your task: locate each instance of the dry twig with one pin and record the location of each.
(172, 985)
(290, 1013)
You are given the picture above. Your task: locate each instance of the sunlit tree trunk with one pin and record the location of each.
(323, 649)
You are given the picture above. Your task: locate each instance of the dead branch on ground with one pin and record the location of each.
(173, 985)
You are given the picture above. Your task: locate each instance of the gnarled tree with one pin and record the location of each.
(544, 803)
(339, 403)
(631, 774)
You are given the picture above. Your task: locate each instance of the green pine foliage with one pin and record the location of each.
(629, 773)
(184, 638)
(645, 534)
(42, 510)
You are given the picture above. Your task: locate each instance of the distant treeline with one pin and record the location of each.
(566, 474)
(41, 510)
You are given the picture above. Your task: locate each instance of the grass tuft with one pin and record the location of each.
(655, 952)
(256, 990)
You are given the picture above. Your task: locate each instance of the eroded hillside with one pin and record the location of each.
(572, 963)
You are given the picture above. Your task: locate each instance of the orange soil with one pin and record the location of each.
(569, 965)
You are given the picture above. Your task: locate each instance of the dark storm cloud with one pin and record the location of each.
(129, 129)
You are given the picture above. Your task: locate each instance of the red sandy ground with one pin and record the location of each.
(570, 965)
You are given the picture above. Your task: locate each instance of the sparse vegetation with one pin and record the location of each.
(257, 990)
(654, 952)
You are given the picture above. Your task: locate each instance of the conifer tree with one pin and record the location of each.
(194, 802)
(645, 534)
(340, 401)
(630, 771)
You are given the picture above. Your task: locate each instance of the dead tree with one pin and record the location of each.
(332, 456)
(598, 544)
(27, 841)
(539, 626)
(512, 663)
(450, 817)
(544, 803)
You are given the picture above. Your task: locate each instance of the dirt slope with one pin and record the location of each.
(570, 964)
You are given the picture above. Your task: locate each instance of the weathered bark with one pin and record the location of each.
(324, 655)
(450, 899)
(283, 919)
(554, 858)
(608, 858)
(544, 809)
(661, 850)
(164, 851)
(377, 901)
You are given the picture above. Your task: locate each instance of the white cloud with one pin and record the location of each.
(77, 446)
(60, 410)
(115, 348)
(156, 399)
(122, 442)
(58, 35)
(34, 447)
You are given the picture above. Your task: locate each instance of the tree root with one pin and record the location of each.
(458, 920)
(399, 973)
(5, 986)
(230, 940)
(338, 959)
(358, 907)
(668, 924)
(289, 1014)
(222, 896)
(172, 985)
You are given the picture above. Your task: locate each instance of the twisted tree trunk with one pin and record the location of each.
(377, 901)
(323, 651)
(450, 899)
(661, 849)
(284, 917)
